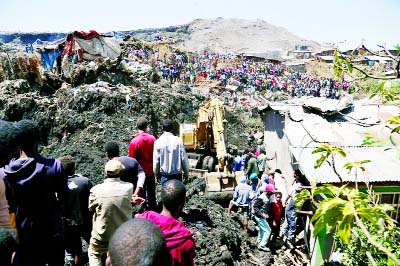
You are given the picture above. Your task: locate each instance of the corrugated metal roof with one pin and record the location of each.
(382, 168)
(306, 131)
(378, 58)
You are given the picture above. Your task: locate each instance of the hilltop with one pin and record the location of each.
(221, 35)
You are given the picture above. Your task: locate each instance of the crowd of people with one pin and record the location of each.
(46, 208)
(265, 196)
(248, 75)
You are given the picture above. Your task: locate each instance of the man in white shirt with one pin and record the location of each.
(170, 158)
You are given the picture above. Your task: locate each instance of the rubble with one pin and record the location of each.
(101, 103)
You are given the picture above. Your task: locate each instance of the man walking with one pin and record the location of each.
(111, 205)
(170, 158)
(141, 148)
(241, 200)
(261, 210)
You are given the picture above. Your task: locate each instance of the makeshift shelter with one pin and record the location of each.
(76, 46)
(95, 45)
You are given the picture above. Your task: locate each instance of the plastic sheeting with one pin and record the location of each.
(49, 57)
(100, 46)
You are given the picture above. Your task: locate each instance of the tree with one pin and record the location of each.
(344, 209)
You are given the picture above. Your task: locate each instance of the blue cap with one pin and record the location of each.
(253, 176)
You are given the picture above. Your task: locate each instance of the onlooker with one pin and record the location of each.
(132, 171)
(111, 205)
(39, 187)
(245, 153)
(8, 142)
(275, 215)
(261, 210)
(241, 200)
(77, 216)
(180, 242)
(251, 165)
(138, 242)
(271, 178)
(250, 138)
(254, 181)
(280, 183)
(7, 247)
(237, 163)
(262, 162)
(141, 148)
(8, 150)
(170, 158)
(290, 229)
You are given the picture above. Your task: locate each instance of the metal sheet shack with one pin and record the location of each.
(295, 128)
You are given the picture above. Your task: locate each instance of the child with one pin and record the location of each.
(275, 215)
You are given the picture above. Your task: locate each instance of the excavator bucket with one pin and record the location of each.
(220, 186)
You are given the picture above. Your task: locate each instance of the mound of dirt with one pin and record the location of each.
(101, 105)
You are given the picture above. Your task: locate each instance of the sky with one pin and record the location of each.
(343, 22)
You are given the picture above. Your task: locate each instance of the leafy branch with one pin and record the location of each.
(357, 165)
(326, 151)
(344, 208)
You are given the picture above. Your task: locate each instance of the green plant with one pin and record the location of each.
(344, 208)
(357, 165)
(326, 151)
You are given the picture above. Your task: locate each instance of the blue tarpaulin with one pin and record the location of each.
(49, 58)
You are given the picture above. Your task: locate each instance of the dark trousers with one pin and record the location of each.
(165, 178)
(150, 193)
(40, 250)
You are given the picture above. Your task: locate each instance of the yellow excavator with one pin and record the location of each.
(205, 142)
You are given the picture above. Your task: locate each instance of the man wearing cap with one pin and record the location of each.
(241, 199)
(261, 209)
(169, 155)
(111, 205)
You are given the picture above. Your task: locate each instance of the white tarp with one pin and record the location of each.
(100, 46)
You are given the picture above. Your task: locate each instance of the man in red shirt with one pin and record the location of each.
(141, 148)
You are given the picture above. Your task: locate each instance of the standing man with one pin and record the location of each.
(39, 188)
(252, 167)
(170, 158)
(132, 172)
(291, 211)
(8, 150)
(141, 148)
(237, 162)
(179, 239)
(111, 205)
(77, 216)
(262, 163)
(261, 210)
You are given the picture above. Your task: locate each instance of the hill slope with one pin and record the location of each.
(220, 35)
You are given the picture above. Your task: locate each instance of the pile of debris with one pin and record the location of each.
(101, 105)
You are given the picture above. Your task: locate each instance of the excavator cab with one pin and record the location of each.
(205, 142)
